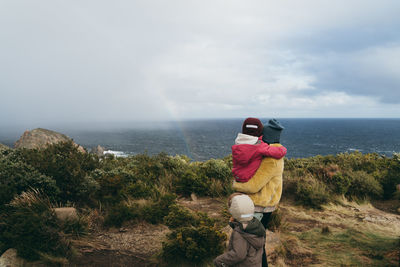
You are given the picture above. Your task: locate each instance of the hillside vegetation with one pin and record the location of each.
(323, 199)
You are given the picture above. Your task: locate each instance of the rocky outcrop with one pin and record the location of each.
(40, 138)
(99, 150)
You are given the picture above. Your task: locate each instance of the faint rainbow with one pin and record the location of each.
(178, 122)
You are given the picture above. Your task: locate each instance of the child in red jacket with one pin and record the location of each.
(249, 150)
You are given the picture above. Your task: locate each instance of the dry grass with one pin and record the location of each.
(31, 198)
(359, 235)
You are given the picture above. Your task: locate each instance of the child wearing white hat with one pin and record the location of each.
(248, 236)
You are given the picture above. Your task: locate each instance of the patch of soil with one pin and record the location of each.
(296, 255)
(111, 258)
(133, 245)
(390, 206)
(212, 206)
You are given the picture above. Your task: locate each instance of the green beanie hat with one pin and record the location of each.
(272, 132)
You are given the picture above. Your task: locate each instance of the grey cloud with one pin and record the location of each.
(373, 72)
(97, 60)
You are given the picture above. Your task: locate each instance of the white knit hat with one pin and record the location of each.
(242, 208)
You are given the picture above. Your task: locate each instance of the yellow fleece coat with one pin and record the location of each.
(265, 187)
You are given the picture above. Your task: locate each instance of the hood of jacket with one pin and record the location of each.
(246, 139)
(254, 233)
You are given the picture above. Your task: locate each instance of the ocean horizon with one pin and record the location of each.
(213, 138)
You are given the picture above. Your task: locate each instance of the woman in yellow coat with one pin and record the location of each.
(265, 187)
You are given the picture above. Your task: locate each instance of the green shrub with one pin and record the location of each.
(68, 166)
(312, 193)
(179, 217)
(120, 214)
(364, 185)
(216, 169)
(75, 227)
(31, 226)
(153, 212)
(147, 168)
(111, 188)
(17, 176)
(340, 183)
(193, 244)
(139, 190)
(189, 183)
(156, 212)
(391, 177)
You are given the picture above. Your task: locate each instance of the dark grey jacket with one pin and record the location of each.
(245, 246)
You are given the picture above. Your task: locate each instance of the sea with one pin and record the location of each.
(205, 139)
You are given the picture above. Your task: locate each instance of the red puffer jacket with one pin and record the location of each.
(247, 158)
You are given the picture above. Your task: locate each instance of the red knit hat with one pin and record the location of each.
(252, 126)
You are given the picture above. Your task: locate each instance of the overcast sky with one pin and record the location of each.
(79, 61)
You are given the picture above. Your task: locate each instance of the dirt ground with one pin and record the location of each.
(139, 244)
(131, 245)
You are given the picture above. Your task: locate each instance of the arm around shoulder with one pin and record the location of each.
(264, 174)
(274, 151)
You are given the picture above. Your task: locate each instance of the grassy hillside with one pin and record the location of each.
(318, 223)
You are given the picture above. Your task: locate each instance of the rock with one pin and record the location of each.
(64, 214)
(99, 151)
(40, 138)
(10, 259)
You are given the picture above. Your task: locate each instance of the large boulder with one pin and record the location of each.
(66, 213)
(11, 259)
(40, 138)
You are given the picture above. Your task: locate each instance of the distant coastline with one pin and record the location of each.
(205, 139)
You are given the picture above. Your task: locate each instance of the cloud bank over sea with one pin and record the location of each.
(163, 60)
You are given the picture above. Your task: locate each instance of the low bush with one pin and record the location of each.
(119, 214)
(152, 212)
(32, 228)
(391, 178)
(216, 169)
(339, 183)
(75, 227)
(17, 176)
(110, 188)
(155, 212)
(364, 185)
(189, 183)
(181, 217)
(311, 193)
(139, 190)
(193, 244)
(69, 167)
